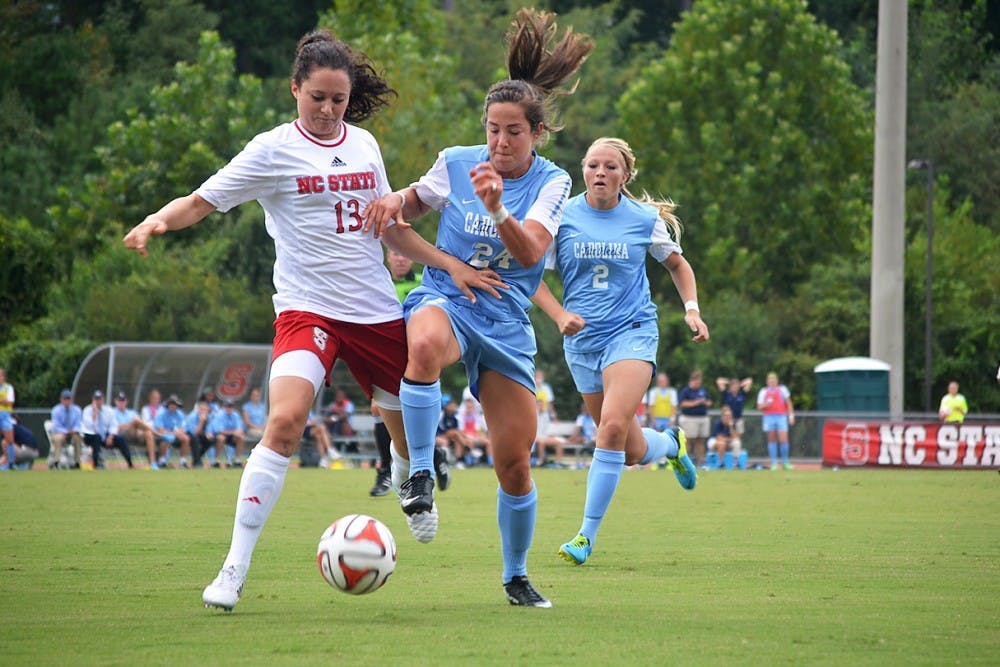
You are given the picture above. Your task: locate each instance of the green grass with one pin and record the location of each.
(752, 568)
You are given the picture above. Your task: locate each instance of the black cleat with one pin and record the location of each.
(441, 468)
(417, 493)
(521, 593)
(383, 483)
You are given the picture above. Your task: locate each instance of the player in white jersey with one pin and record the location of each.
(500, 206)
(609, 322)
(315, 177)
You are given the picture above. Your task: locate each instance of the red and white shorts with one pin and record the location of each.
(374, 353)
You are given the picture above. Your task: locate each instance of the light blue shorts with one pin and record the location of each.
(587, 367)
(505, 347)
(775, 423)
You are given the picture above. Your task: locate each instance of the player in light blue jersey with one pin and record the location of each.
(500, 207)
(609, 321)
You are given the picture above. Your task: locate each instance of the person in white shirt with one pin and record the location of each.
(316, 178)
(100, 429)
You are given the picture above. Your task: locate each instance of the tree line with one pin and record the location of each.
(755, 117)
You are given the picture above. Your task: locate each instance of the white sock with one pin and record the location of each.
(260, 486)
(400, 467)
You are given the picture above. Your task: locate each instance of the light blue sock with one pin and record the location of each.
(602, 480)
(772, 451)
(784, 452)
(516, 518)
(421, 414)
(658, 445)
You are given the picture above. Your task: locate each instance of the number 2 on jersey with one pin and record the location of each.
(600, 278)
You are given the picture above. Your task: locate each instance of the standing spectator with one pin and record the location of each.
(661, 402)
(66, 417)
(317, 178)
(7, 448)
(6, 393)
(609, 322)
(100, 429)
(734, 394)
(953, 406)
(254, 415)
(472, 187)
(694, 402)
(170, 431)
(775, 401)
(227, 425)
(198, 426)
(132, 427)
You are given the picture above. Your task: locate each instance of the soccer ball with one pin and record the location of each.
(356, 554)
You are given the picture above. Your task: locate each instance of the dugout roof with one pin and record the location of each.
(185, 369)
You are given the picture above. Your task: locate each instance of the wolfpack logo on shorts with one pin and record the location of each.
(320, 337)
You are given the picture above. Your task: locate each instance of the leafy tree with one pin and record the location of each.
(750, 122)
(29, 256)
(192, 127)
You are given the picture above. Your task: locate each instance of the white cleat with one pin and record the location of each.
(226, 590)
(423, 525)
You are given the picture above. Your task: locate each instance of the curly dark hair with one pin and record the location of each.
(537, 71)
(369, 91)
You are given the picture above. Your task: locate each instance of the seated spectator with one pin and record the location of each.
(734, 394)
(100, 430)
(151, 410)
(449, 432)
(209, 396)
(198, 426)
(339, 413)
(133, 428)
(316, 433)
(254, 416)
(586, 429)
(724, 438)
(473, 426)
(227, 425)
(66, 417)
(169, 430)
(22, 454)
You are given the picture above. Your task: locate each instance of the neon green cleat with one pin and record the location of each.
(687, 475)
(576, 550)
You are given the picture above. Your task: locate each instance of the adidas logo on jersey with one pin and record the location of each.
(337, 162)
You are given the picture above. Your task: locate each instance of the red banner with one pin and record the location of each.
(968, 446)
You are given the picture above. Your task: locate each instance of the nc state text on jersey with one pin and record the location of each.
(359, 180)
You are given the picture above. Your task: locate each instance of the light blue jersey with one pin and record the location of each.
(466, 229)
(601, 255)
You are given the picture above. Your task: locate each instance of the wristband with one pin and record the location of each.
(691, 305)
(402, 195)
(500, 215)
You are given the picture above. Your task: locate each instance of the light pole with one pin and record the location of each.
(928, 303)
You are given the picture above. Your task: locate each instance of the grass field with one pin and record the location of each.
(752, 568)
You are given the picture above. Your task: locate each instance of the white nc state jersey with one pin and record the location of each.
(313, 193)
